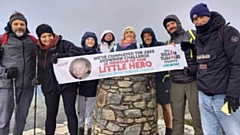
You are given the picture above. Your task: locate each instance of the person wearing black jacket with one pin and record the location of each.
(51, 47)
(162, 81)
(87, 89)
(218, 75)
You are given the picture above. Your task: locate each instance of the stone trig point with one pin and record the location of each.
(125, 106)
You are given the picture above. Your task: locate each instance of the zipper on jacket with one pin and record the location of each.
(23, 65)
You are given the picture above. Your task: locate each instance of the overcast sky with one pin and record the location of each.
(71, 18)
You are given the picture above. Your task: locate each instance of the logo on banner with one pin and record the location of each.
(170, 58)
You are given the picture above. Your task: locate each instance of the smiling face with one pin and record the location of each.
(147, 37)
(80, 69)
(18, 27)
(201, 20)
(46, 38)
(90, 42)
(129, 35)
(171, 26)
(108, 37)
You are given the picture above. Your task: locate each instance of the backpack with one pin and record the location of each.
(138, 47)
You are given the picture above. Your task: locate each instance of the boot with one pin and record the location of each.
(81, 131)
(168, 131)
(89, 131)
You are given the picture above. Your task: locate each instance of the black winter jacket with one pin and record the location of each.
(46, 76)
(219, 64)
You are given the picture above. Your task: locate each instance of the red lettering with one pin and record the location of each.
(148, 63)
(131, 65)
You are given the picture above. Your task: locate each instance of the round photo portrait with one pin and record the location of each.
(80, 68)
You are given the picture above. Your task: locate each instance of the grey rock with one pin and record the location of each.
(132, 98)
(113, 127)
(125, 84)
(139, 88)
(133, 113)
(113, 98)
(136, 129)
(119, 107)
(141, 104)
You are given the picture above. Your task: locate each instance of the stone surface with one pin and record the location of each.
(124, 84)
(108, 114)
(113, 98)
(136, 129)
(127, 108)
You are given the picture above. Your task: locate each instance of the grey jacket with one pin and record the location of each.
(20, 53)
(180, 35)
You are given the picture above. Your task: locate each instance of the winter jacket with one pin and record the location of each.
(219, 63)
(106, 47)
(46, 75)
(178, 76)
(89, 88)
(160, 77)
(18, 52)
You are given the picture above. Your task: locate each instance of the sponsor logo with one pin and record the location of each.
(203, 56)
(234, 39)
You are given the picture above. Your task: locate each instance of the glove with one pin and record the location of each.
(189, 71)
(54, 58)
(186, 45)
(12, 72)
(233, 103)
(35, 82)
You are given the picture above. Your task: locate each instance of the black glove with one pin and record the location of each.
(35, 82)
(233, 103)
(12, 72)
(54, 58)
(189, 71)
(186, 45)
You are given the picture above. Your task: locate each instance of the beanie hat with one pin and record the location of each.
(44, 28)
(17, 16)
(168, 20)
(199, 10)
(128, 28)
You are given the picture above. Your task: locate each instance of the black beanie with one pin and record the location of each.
(44, 28)
(168, 20)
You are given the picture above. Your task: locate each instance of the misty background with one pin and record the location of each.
(71, 18)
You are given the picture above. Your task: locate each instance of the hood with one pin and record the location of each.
(217, 21)
(87, 35)
(105, 32)
(179, 29)
(150, 31)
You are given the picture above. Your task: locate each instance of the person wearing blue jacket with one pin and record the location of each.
(87, 89)
(162, 80)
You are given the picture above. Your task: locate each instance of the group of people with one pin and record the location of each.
(211, 78)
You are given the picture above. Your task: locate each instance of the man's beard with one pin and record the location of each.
(19, 34)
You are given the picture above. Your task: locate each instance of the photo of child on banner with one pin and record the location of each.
(80, 68)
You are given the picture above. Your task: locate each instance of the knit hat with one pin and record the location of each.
(17, 16)
(199, 10)
(128, 28)
(44, 28)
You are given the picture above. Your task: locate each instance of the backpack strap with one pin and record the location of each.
(33, 38)
(4, 39)
(221, 32)
(168, 42)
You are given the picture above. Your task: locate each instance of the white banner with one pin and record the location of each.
(130, 62)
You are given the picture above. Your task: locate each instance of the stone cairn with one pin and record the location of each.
(126, 106)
